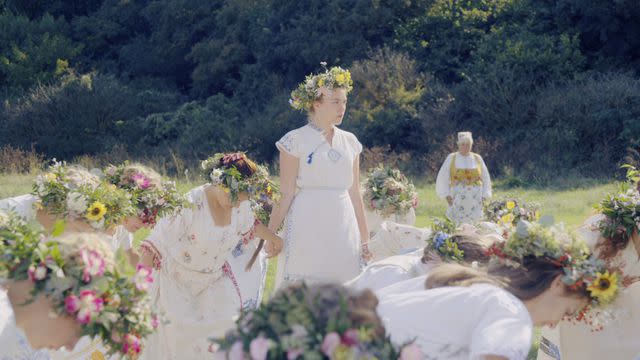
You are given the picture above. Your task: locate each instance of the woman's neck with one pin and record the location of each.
(324, 126)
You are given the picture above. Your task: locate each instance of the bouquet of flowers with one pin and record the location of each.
(441, 240)
(622, 215)
(510, 211)
(388, 191)
(72, 191)
(77, 272)
(152, 196)
(316, 322)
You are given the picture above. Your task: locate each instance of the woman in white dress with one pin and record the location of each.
(38, 310)
(490, 314)
(190, 252)
(325, 219)
(618, 338)
(464, 181)
(395, 269)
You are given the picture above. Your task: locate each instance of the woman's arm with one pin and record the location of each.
(273, 244)
(358, 206)
(486, 181)
(443, 180)
(288, 175)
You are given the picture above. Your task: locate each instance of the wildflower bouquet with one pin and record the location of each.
(510, 211)
(303, 97)
(300, 322)
(152, 196)
(388, 191)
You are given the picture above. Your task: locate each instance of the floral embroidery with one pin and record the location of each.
(288, 142)
(148, 248)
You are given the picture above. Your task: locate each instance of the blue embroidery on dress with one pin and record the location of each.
(237, 251)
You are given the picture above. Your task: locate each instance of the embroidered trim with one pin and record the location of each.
(148, 248)
(250, 235)
(226, 269)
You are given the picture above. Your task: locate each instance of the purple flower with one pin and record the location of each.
(440, 239)
(330, 343)
(94, 264)
(259, 348)
(350, 338)
(141, 181)
(71, 304)
(131, 344)
(293, 354)
(236, 352)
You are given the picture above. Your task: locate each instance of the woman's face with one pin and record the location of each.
(464, 147)
(556, 303)
(331, 108)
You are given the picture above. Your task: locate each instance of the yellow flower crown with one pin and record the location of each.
(303, 97)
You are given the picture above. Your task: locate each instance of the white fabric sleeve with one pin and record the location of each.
(355, 144)
(486, 181)
(443, 188)
(376, 277)
(122, 239)
(502, 331)
(289, 143)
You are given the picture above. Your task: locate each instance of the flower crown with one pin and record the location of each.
(621, 211)
(387, 190)
(510, 211)
(220, 170)
(72, 191)
(583, 272)
(303, 97)
(298, 323)
(152, 196)
(77, 272)
(441, 242)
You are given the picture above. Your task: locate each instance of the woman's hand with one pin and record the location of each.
(273, 247)
(365, 253)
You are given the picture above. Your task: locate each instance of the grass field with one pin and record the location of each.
(569, 205)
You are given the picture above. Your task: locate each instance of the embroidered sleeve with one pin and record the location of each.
(289, 144)
(148, 248)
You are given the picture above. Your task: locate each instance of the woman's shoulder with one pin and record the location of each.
(347, 134)
(499, 302)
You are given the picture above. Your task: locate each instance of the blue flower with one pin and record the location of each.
(439, 239)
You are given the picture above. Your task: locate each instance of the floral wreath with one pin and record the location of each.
(78, 274)
(387, 190)
(219, 169)
(583, 272)
(441, 240)
(72, 191)
(303, 97)
(510, 211)
(622, 212)
(297, 324)
(152, 196)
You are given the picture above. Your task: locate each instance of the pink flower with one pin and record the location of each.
(415, 202)
(37, 273)
(330, 343)
(411, 352)
(142, 278)
(155, 322)
(141, 181)
(350, 337)
(259, 348)
(116, 338)
(131, 344)
(71, 304)
(94, 264)
(90, 306)
(293, 354)
(236, 352)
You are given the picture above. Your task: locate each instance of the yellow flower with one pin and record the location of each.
(537, 214)
(510, 205)
(226, 189)
(507, 219)
(343, 352)
(96, 211)
(320, 82)
(604, 287)
(50, 177)
(97, 355)
(341, 78)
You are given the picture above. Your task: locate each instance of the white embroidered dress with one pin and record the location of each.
(459, 323)
(389, 271)
(619, 337)
(467, 192)
(322, 240)
(394, 239)
(250, 283)
(191, 283)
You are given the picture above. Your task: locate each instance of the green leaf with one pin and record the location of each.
(58, 228)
